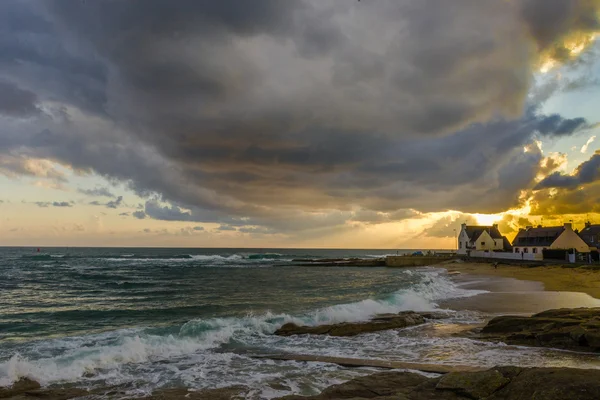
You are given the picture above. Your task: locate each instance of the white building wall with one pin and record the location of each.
(506, 255)
(463, 241)
(530, 249)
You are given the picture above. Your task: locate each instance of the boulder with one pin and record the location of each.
(379, 323)
(500, 383)
(572, 329)
(29, 389)
(475, 385)
(21, 386)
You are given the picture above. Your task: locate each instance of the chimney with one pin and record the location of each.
(588, 224)
(528, 227)
(495, 226)
(568, 226)
(463, 225)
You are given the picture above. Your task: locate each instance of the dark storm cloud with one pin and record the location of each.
(98, 191)
(115, 203)
(289, 115)
(16, 102)
(109, 204)
(139, 214)
(586, 172)
(549, 21)
(578, 193)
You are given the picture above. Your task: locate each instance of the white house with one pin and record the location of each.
(481, 238)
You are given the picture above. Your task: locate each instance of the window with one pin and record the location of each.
(516, 249)
(483, 243)
(535, 250)
(525, 250)
(460, 245)
(592, 238)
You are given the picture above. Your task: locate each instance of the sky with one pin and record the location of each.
(306, 123)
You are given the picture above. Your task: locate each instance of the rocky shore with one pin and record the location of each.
(378, 323)
(573, 329)
(501, 383)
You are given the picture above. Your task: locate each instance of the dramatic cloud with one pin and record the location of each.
(281, 116)
(15, 102)
(109, 204)
(139, 214)
(586, 172)
(115, 203)
(97, 192)
(19, 165)
(578, 193)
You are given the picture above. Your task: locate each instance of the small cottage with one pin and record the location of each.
(481, 238)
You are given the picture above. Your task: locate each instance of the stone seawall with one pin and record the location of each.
(413, 261)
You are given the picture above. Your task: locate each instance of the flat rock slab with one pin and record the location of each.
(25, 389)
(566, 328)
(359, 362)
(378, 323)
(500, 383)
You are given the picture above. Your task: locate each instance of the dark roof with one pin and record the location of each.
(588, 232)
(544, 236)
(506, 244)
(474, 231)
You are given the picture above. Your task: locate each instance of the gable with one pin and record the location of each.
(570, 240)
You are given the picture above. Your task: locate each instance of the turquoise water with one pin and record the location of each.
(147, 318)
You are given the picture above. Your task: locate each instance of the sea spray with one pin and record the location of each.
(198, 336)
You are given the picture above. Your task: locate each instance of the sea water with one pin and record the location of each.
(142, 319)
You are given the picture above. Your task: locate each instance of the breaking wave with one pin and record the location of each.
(107, 355)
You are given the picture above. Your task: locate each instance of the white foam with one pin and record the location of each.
(107, 354)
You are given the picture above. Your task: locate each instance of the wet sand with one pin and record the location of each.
(554, 278)
(522, 290)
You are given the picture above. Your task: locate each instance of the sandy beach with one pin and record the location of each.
(553, 278)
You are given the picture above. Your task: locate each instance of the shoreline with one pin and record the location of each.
(553, 278)
(512, 290)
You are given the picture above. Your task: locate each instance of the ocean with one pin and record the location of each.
(142, 319)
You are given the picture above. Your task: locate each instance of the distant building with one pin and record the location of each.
(481, 238)
(536, 240)
(591, 235)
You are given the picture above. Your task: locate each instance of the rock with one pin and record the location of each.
(28, 389)
(500, 383)
(475, 385)
(552, 384)
(228, 393)
(57, 393)
(379, 323)
(21, 386)
(572, 329)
